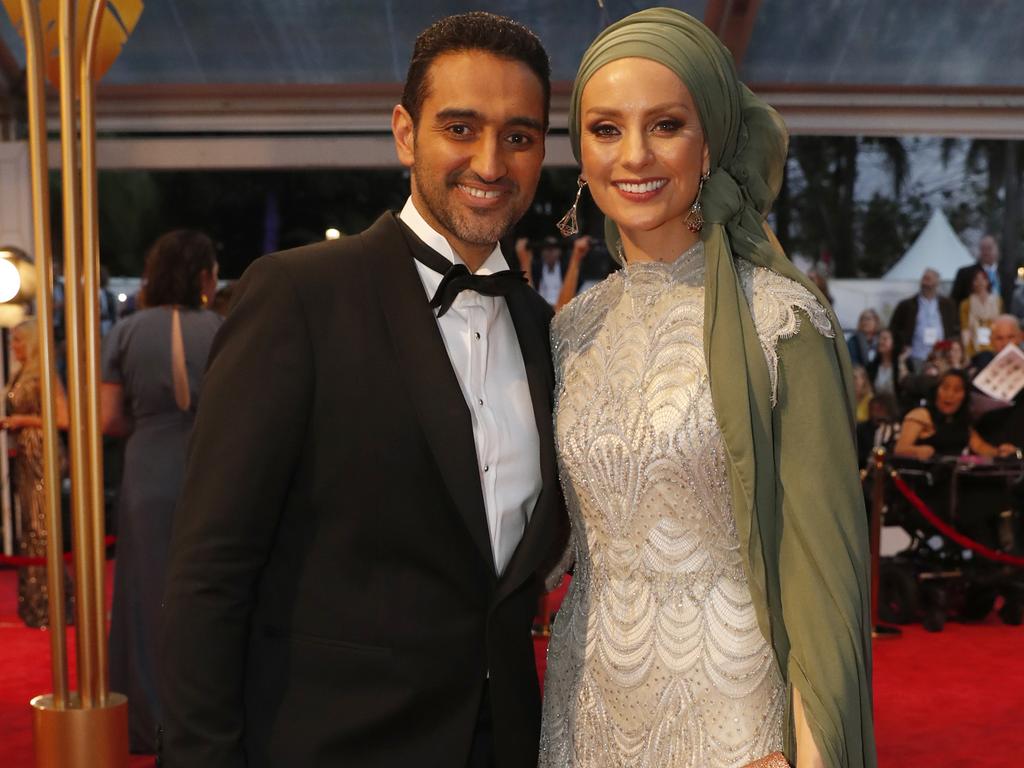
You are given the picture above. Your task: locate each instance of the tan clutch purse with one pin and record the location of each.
(774, 760)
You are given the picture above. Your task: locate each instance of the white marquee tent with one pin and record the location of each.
(937, 247)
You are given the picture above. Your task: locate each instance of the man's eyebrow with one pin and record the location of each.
(454, 113)
(526, 122)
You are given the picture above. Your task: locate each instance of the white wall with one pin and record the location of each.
(15, 196)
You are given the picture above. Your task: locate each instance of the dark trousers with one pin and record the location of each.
(481, 753)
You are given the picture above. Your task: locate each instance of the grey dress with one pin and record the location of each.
(137, 355)
(656, 659)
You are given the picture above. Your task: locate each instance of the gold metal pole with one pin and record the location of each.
(77, 396)
(878, 629)
(91, 331)
(91, 729)
(39, 167)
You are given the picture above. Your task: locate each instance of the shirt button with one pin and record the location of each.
(477, 334)
(479, 402)
(487, 467)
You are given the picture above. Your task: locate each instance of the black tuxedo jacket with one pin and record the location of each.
(332, 599)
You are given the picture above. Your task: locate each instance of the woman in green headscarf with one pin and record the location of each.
(719, 607)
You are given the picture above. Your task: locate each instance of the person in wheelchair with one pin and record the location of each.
(942, 427)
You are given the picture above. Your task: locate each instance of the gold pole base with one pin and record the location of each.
(80, 738)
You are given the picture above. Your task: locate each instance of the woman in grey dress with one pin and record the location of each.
(717, 615)
(153, 362)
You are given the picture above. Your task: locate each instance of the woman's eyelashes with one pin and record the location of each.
(662, 126)
(604, 130)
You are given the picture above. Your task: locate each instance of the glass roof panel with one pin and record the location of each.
(881, 42)
(327, 41)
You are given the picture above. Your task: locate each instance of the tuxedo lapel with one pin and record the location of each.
(532, 337)
(427, 371)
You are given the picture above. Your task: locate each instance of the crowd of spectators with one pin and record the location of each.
(916, 397)
(913, 379)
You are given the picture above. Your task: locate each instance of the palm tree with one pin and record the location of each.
(826, 207)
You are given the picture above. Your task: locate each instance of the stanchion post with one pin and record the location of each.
(878, 457)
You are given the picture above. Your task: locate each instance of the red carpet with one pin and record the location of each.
(955, 698)
(25, 672)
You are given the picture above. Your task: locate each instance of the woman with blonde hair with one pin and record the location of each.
(719, 608)
(24, 420)
(863, 344)
(977, 313)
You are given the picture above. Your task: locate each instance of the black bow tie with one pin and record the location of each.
(457, 278)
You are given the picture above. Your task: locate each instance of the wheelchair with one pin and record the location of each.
(936, 578)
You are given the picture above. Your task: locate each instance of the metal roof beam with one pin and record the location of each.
(733, 22)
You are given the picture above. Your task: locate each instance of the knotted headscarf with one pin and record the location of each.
(747, 143)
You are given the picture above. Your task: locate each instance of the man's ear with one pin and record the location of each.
(405, 133)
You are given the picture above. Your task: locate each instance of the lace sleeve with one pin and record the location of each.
(774, 301)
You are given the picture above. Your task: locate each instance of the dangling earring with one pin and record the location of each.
(569, 225)
(694, 219)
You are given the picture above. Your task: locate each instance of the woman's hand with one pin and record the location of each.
(580, 248)
(1006, 449)
(807, 753)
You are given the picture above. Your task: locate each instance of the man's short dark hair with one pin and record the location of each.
(476, 31)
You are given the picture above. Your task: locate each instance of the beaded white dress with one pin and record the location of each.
(656, 659)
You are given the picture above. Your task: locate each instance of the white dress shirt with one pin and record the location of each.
(484, 352)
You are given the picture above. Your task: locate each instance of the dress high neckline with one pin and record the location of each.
(688, 262)
(685, 265)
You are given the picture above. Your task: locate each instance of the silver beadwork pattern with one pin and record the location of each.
(656, 659)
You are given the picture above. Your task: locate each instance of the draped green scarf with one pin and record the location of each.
(792, 468)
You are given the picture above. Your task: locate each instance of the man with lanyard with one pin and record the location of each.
(922, 320)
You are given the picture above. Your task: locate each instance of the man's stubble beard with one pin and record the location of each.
(466, 227)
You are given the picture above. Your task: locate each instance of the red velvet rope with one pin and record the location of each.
(947, 530)
(20, 561)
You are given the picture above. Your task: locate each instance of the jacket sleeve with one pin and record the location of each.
(900, 325)
(246, 441)
(824, 565)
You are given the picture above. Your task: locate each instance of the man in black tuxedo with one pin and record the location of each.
(371, 497)
(988, 260)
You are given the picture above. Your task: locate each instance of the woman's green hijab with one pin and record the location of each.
(792, 467)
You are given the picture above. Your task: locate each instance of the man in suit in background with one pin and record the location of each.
(988, 260)
(923, 319)
(548, 272)
(371, 497)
